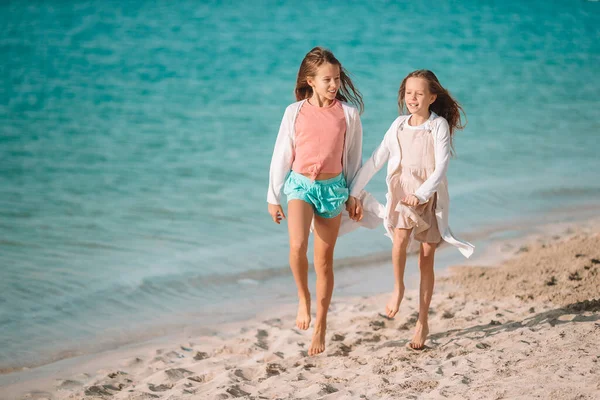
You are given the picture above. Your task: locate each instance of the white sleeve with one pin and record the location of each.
(354, 156)
(442, 159)
(379, 157)
(281, 163)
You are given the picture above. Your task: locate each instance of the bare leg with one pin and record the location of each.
(426, 258)
(300, 216)
(326, 231)
(401, 239)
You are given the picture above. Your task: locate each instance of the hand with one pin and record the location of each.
(358, 211)
(354, 208)
(411, 200)
(351, 206)
(276, 213)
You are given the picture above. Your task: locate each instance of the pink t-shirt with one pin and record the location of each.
(319, 139)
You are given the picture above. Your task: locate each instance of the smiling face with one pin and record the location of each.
(417, 96)
(326, 82)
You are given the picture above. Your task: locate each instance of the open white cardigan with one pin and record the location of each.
(389, 151)
(283, 157)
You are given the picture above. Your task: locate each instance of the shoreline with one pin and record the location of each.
(497, 249)
(499, 332)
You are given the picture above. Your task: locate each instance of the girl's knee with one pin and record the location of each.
(401, 238)
(298, 247)
(324, 270)
(428, 249)
(323, 262)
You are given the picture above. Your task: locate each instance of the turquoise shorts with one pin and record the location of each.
(327, 196)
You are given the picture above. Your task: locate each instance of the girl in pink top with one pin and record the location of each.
(317, 153)
(320, 133)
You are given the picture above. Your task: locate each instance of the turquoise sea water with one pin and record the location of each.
(135, 140)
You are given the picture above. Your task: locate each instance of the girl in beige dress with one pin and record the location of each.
(417, 150)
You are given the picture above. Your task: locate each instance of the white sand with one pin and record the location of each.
(510, 332)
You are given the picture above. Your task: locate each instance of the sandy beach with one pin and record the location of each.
(528, 328)
(141, 142)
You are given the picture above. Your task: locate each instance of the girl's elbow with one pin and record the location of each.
(441, 168)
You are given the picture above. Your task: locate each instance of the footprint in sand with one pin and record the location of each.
(200, 355)
(177, 374)
(163, 387)
(235, 391)
(274, 322)
(174, 355)
(166, 358)
(97, 391)
(240, 374)
(248, 374)
(201, 378)
(117, 387)
(412, 320)
(189, 390)
(300, 377)
(274, 369)
(338, 338)
(116, 374)
(552, 281)
(327, 389)
(372, 338)
(142, 396)
(261, 336)
(309, 366)
(377, 325)
(419, 386)
(341, 350)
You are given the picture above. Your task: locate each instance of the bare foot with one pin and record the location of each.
(303, 317)
(420, 336)
(393, 304)
(318, 342)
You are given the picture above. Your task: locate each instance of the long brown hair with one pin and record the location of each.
(444, 105)
(313, 60)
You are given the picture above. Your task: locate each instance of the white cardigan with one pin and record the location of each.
(389, 151)
(283, 157)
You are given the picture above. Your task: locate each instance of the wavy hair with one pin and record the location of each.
(311, 62)
(444, 105)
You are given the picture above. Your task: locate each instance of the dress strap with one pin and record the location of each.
(428, 123)
(401, 126)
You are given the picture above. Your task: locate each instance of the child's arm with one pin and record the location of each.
(281, 163)
(442, 158)
(353, 159)
(354, 156)
(379, 157)
(364, 175)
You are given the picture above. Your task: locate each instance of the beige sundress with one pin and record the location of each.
(416, 165)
